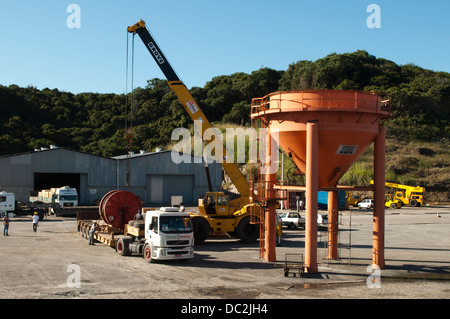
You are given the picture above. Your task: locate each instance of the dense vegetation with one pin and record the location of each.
(95, 123)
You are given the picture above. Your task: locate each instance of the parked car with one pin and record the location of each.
(367, 203)
(292, 220)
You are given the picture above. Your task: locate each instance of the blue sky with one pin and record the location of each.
(203, 39)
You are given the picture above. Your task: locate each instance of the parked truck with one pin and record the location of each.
(164, 234)
(9, 205)
(352, 200)
(65, 196)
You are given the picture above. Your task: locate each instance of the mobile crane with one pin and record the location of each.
(219, 213)
(409, 195)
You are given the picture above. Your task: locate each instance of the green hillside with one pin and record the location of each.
(418, 134)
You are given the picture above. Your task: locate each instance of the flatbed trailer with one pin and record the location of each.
(106, 234)
(46, 209)
(174, 241)
(72, 210)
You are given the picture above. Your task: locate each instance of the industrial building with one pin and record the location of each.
(153, 177)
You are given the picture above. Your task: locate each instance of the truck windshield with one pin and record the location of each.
(176, 224)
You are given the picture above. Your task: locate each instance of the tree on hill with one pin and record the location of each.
(421, 98)
(96, 123)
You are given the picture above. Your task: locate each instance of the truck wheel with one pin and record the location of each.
(413, 203)
(393, 206)
(147, 253)
(41, 215)
(201, 230)
(247, 231)
(292, 226)
(123, 246)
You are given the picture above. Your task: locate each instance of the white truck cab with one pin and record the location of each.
(66, 196)
(168, 235)
(7, 203)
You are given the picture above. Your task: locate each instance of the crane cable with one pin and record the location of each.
(129, 131)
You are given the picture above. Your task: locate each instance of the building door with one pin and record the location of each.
(160, 188)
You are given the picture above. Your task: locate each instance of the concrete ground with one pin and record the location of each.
(43, 264)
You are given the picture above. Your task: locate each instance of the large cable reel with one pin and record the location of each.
(118, 207)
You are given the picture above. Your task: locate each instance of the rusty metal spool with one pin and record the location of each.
(118, 207)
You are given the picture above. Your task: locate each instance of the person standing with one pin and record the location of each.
(138, 216)
(182, 209)
(92, 232)
(6, 225)
(35, 221)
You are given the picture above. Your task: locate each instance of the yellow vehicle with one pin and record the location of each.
(391, 203)
(409, 195)
(352, 200)
(219, 213)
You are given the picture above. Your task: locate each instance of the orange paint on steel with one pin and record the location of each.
(348, 123)
(378, 206)
(325, 132)
(270, 219)
(312, 169)
(333, 204)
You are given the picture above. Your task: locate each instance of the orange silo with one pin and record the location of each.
(324, 132)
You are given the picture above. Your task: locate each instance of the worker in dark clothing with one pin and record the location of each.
(138, 216)
(92, 232)
(6, 225)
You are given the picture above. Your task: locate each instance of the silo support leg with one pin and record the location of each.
(378, 209)
(333, 205)
(312, 187)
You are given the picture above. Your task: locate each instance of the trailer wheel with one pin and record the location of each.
(246, 231)
(123, 246)
(147, 253)
(201, 230)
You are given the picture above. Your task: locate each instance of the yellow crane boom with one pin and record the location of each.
(221, 214)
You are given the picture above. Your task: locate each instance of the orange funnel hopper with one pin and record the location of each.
(348, 123)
